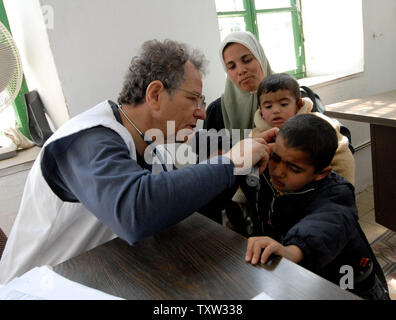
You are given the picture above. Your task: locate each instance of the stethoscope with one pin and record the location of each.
(146, 139)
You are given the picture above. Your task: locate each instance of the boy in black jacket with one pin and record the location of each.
(306, 212)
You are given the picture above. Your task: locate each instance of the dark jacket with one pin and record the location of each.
(214, 116)
(322, 220)
(214, 120)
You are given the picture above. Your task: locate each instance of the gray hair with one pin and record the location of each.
(163, 61)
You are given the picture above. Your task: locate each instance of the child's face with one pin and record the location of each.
(277, 107)
(290, 169)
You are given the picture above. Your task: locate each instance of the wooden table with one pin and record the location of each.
(195, 259)
(380, 112)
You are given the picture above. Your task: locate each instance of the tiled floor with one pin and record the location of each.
(365, 204)
(372, 230)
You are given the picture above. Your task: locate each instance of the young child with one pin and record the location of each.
(307, 213)
(280, 99)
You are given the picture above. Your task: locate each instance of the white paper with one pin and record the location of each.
(262, 296)
(42, 283)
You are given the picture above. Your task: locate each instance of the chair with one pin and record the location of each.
(3, 241)
(39, 128)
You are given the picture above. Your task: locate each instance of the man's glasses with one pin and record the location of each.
(201, 98)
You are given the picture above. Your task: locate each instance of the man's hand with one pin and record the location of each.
(251, 151)
(246, 153)
(254, 252)
(269, 136)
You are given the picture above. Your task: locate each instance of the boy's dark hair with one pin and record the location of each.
(279, 81)
(312, 135)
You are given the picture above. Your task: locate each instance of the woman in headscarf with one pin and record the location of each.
(246, 66)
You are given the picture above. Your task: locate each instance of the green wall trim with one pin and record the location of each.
(21, 117)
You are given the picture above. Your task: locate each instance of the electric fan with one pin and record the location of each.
(10, 83)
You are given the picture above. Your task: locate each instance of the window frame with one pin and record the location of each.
(250, 17)
(20, 110)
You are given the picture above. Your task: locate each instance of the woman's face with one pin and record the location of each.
(242, 67)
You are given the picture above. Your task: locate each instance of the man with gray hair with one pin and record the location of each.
(92, 180)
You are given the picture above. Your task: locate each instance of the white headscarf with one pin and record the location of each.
(238, 107)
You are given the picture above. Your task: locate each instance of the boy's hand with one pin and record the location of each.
(254, 252)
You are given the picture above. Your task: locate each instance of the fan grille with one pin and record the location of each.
(10, 69)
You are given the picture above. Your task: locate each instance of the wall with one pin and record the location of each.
(93, 42)
(379, 23)
(379, 26)
(332, 47)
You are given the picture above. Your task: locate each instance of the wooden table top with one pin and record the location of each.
(195, 259)
(376, 109)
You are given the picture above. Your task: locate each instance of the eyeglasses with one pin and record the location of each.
(201, 98)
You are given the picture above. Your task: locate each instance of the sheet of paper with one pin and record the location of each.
(42, 283)
(262, 296)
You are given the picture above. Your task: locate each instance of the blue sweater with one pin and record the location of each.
(94, 167)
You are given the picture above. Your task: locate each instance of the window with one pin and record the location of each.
(333, 37)
(276, 23)
(20, 112)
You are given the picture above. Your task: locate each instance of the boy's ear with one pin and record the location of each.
(300, 103)
(323, 174)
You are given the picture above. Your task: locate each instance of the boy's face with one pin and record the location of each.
(291, 169)
(277, 107)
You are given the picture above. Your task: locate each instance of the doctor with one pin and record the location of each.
(93, 180)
